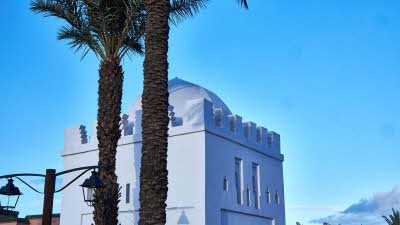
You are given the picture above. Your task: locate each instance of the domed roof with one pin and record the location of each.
(180, 92)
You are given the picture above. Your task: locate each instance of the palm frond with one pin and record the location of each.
(109, 28)
(79, 39)
(387, 220)
(243, 3)
(70, 11)
(182, 9)
(135, 27)
(393, 219)
(131, 46)
(48, 8)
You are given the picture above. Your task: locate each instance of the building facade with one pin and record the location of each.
(28, 220)
(222, 170)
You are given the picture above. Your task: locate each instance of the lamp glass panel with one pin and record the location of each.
(90, 194)
(8, 202)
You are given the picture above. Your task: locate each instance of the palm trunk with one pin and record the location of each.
(154, 173)
(108, 134)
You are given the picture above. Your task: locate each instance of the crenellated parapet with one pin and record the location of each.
(199, 115)
(126, 125)
(233, 126)
(75, 136)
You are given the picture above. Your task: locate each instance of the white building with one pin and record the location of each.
(222, 171)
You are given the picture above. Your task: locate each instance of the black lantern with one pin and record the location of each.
(12, 192)
(89, 186)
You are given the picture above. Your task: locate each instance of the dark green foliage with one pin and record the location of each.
(110, 28)
(182, 9)
(243, 3)
(393, 219)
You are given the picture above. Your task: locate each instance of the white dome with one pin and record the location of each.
(180, 92)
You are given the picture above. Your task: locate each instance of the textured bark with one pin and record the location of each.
(108, 134)
(154, 173)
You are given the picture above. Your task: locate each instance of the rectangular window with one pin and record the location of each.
(239, 180)
(128, 193)
(256, 184)
(248, 196)
(226, 184)
(277, 198)
(268, 196)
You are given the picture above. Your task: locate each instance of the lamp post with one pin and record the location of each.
(92, 183)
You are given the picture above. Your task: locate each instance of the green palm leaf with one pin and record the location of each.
(182, 9)
(393, 219)
(109, 28)
(243, 3)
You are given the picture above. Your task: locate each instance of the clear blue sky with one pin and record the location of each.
(324, 74)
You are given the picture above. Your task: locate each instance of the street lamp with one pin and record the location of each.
(12, 192)
(89, 186)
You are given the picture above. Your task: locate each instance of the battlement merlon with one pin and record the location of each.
(75, 136)
(248, 132)
(274, 141)
(199, 114)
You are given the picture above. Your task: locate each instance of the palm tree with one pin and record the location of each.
(154, 173)
(111, 29)
(393, 219)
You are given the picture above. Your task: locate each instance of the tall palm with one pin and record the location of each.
(154, 173)
(112, 29)
(393, 219)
